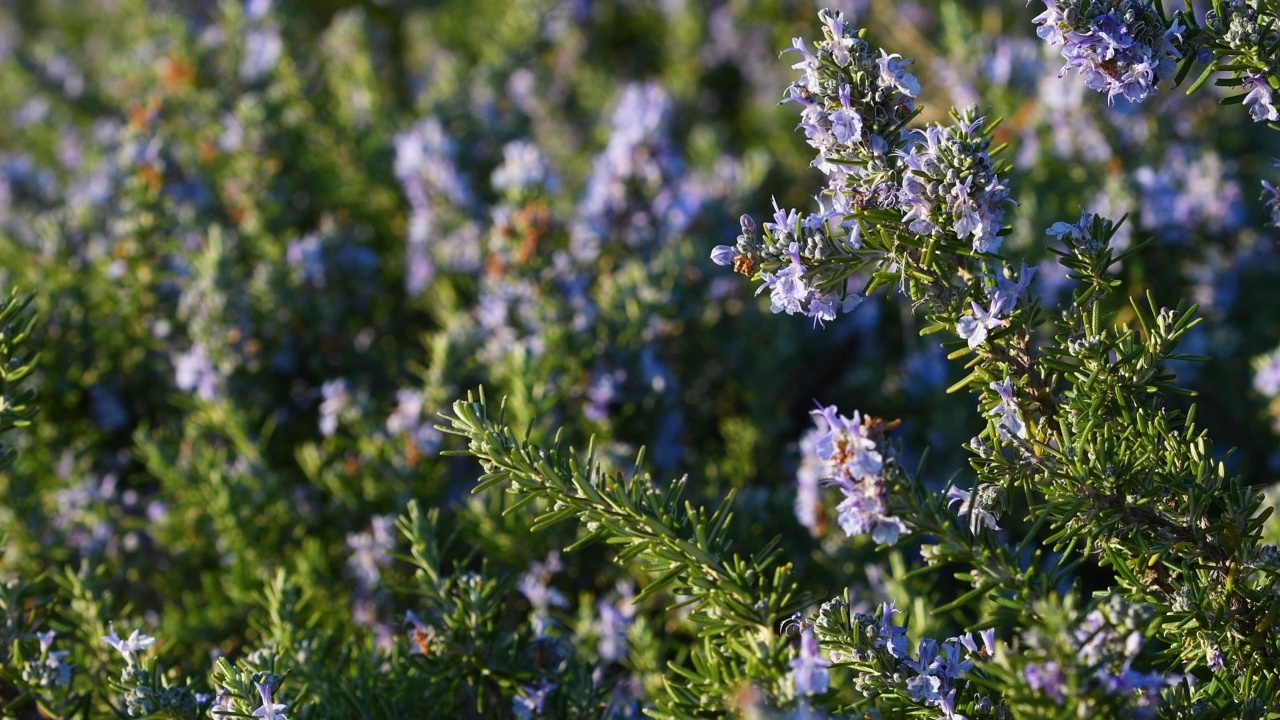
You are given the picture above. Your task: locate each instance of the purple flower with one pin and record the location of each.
(808, 503)
(305, 256)
(893, 74)
(601, 392)
(846, 112)
(422, 634)
(1214, 658)
(1010, 422)
(1192, 190)
(956, 495)
(846, 123)
(1047, 678)
(809, 671)
(787, 289)
(370, 551)
(425, 165)
(223, 704)
(1271, 196)
(336, 399)
(951, 184)
(925, 688)
(784, 221)
(928, 661)
(615, 620)
(893, 638)
(1003, 300)
(407, 419)
(981, 516)
(723, 255)
(974, 328)
(948, 706)
(1259, 99)
(523, 167)
(270, 709)
(844, 445)
(530, 699)
(1078, 232)
(1122, 49)
(637, 191)
(838, 41)
(262, 50)
(808, 64)
(534, 584)
(135, 643)
(1266, 374)
(953, 666)
(1006, 294)
(853, 463)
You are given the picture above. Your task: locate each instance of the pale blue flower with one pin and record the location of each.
(925, 688)
(270, 709)
(1259, 99)
(1047, 678)
(523, 167)
(846, 123)
(893, 74)
(851, 455)
(809, 671)
(784, 221)
(974, 328)
(135, 643)
(982, 517)
(892, 638)
(335, 399)
(529, 700)
(948, 705)
(723, 255)
(1010, 423)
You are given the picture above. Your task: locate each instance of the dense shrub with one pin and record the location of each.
(388, 359)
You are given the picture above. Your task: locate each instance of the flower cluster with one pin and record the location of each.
(941, 181)
(935, 675)
(1121, 48)
(1105, 644)
(951, 185)
(854, 101)
(428, 174)
(854, 461)
(535, 586)
(51, 668)
(1003, 296)
(791, 245)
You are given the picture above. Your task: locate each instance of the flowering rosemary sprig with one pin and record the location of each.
(735, 601)
(1079, 432)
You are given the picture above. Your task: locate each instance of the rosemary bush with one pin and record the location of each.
(376, 360)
